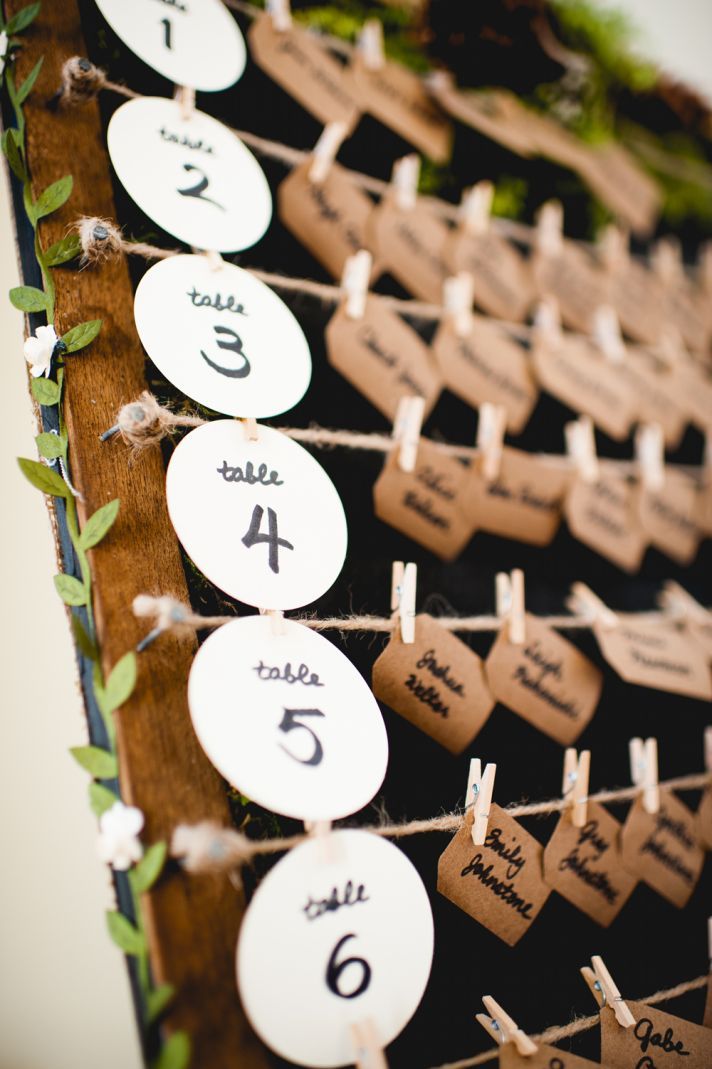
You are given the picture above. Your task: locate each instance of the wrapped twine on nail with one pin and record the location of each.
(101, 240)
(144, 422)
(206, 847)
(81, 81)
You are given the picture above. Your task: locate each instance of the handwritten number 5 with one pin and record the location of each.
(236, 347)
(199, 188)
(253, 536)
(334, 971)
(289, 723)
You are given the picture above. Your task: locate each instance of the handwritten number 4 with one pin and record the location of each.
(254, 536)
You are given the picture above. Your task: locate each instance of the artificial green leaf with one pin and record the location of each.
(22, 19)
(146, 871)
(99, 524)
(85, 644)
(29, 299)
(80, 336)
(63, 251)
(120, 684)
(46, 391)
(11, 148)
(175, 1052)
(46, 480)
(26, 88)
(50, 445)
(70, 590)
(157, 999)
(100, 798)
(123, 933)
(53, 196)
(100, 763)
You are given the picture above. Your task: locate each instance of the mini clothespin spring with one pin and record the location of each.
(476, 208)
(185, 96)
(509, 591)
(281, 15)
(368, 1047)
(607, 333)
(404, 180)
(650, 455)
(581, 447)
(549, 229)
(276, 617)
(644, 771)
(404, 580)
(479, 794)
(458, 295)
(326, 150)
(354, 283)
(503, 1029)
(406, 430)
(575, 784)
(491, 426)
(370, 44)
(605, 992)
(582, 599)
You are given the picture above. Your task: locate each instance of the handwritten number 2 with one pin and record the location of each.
(289, 722)
(166, 24)
(199, 188)
(253, 536)
(236, 347)
(334, 971)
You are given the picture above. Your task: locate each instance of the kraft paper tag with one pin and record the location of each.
(329, 217)
(500, 884)
(602, 515)
(578, 285)
(487, 365)
(382, 357)
(624, 187)
(436, 682)
(575, 372)
(684, 312)
(669, 516)
(496, 113)
(700, 634)
(503, 282)
(652, 387)
(297, 61)
(409, 245)
(584, 865)
(654, 655)
(656, 1041)
(546, 680)
(661, 848)
(638, 298)
(427, 503)
(707, 1019)
(523, 502)
(397, 97)
(545, 1057)
(693, 389)
(704, 507)
(704, 819)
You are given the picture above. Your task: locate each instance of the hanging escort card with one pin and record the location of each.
(584, 865)
(382, 357)
(602, 514)
(573, 279)
(259, 517)
(408, 243)
(500, 884)
(222, 337)
(299, 62)
(201, 185)
(503, 284)
(704, 820)
(622, 185)
(693, 390)
(545, 679)
(196, 43)
(352, 912)
(653, 388)
(545, 1057)
(496, 113)
(435, 682)
(287, 720)
(654, 655)
(656, 1041)
(668, 516)
(662, 849)
(633, 289)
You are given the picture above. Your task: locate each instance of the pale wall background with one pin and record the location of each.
(64, 999)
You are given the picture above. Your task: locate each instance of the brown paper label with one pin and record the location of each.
(487, 365)
(426, 504)
(398, 98)
(657, 1041)
(545, 1057)
(576, 373)
(682, 309)
(382, 357)
(661, 848)
(584, 865)
(704, 508)
(409, 245)
(652, 389)
(546, 680)
(602, 516)
(639, 300)
(503, 282)
(704, 820)
(500, 884)
(578, 285)
(296, 61)
(523, 502)
(693, 389)
(669, 516)
(624, 187)
(707, 1019)
(655, 655)
(436, 682)
(329, 217)
(496, 113)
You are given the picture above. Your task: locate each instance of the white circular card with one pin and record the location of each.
(195, 43)
(222, 337)
(192, 176)
(340, 931)
(287, 719)
(261, 519)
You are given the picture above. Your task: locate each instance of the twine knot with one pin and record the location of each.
(144, 422)
(81, 81)
(100, 239)
(206, 847)
(165, 610)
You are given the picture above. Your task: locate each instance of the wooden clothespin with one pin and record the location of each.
(458, 294)
(281, 15)
(185, 96)
(404, 580)
(676, 600)
(550, 229)
(369, 1049)
(509, 591)
(666, 258)
(704, 266)
(406, 430)
(650, 455)
(215, 260)
(607, 333)
(671, 347)
(644, 771)
(503, 1029)
(479, 794)
(547, 321)
(582, 599)
(276, 618)
(708, 749)
(581, 447)
(325, 150)
(369, 44)
(575, 784)
(249, 425)
(709, 940)
(605, 992)
(354, 283)
(491, 425)
(476, 208)
(404, 181)
(614, 247)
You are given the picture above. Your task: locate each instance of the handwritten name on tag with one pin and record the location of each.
(496, 113)
(584, 865)
(523, 502)
(487, 365)
(436, 682)
(409, 245)
(693, 390)
(545, 1057)
(653, 388)
(623, 186)
(603, 516)
(704, 819)
(662, 849)
(382, 357)
(655, 655)
(578, 285)
(638, 298)
(546, 680)
(426, 504)
(500, 884)
(668, 516)
(657, 1041)
(503, 282)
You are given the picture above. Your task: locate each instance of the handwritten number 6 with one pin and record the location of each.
(334, 971)
(199, 188)
(289, 723)
(236, 346)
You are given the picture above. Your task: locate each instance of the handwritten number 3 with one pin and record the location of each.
(199, 188)
(236, 346)
(253, 536)
(334, 971)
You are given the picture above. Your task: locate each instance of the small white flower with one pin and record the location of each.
(3, 51)
(38, 350)
(118, 843)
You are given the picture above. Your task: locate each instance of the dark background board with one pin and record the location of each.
(651, 944)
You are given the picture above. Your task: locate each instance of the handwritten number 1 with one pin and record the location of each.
(199, 188)
(166, 24)
(253, 536)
